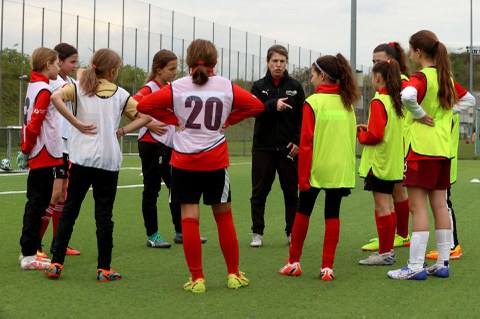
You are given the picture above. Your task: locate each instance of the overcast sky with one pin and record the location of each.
(324, 26)
(318, 25)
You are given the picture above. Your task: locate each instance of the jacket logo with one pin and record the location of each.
(266, 92)
(291, 93)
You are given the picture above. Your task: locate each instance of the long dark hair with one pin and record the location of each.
(337, 70)
(428, 43)
(390, 72)
(394, 50)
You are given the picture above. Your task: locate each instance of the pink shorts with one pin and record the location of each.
(430, 174)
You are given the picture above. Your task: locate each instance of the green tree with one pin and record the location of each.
(10, 68)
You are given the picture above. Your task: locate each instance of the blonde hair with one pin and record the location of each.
(102, 62)
(40, 57)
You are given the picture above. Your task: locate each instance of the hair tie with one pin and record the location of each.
(201, 63)
(392, 44)
(322, 71)
(94, 66)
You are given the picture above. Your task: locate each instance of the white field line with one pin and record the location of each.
(118, 187)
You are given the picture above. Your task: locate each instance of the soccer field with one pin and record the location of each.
(152, 278)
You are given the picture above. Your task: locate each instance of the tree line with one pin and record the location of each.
(132, 78)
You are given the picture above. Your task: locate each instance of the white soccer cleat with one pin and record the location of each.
(34, 263)
(256, 240)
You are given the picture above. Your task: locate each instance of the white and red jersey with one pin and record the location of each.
(145, 135)
(203, 111)
(65, 126)
(41, 132)
(100, 150)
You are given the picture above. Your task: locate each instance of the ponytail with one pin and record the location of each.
(337, 70)
(103, 62)
(390, 72)
(428, 43)
(201, 59)
(348, 83)
(446, 92)
(200, 74)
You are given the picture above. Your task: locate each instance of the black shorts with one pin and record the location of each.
(188, 186)
(60, 171)
(375, 184)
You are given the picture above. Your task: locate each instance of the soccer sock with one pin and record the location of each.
(418, 246)
(57, 212)
(299, 233)
(330, 241)
(46, 219)
(444, 241)
(192, 247)
(227, 237)
(393, 231)
(402, 212)
(385, 230)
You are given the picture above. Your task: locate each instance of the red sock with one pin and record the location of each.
(192, 247)
(57, 212)
(227, 236)
(330, 241)
(394, 228)
(46, 219)
(299, 233)
(384, 229)
(403, 214)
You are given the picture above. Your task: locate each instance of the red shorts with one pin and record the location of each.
(430, 174)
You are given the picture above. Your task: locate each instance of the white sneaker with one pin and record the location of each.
(34, 263)
(375, 258)
(256, 240)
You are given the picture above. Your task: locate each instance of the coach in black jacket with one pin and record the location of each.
(275, 141)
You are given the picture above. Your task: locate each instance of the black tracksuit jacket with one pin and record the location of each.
(274, 130)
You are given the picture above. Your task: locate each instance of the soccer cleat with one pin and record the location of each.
(197, 286)
(34, 263)
(104, 275)
(291, 269)
(178, 239)
(42, 254)
(157, 241)
(54, 271)
(373, 245)
(400, 241)
(72, 252)
(442, 271)
(326, 274)
(408, 274)
(237, 281)
(455, 253)
(256, 240)
(375, 258)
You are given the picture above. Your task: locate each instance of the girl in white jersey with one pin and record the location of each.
(202, 104)
(41, 144)
(94, 154)
(68, 57)
(155, 143)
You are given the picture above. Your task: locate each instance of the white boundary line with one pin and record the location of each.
(118, 187)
